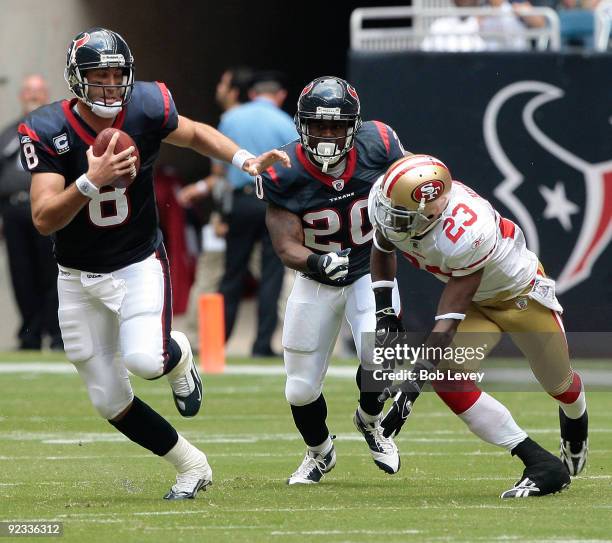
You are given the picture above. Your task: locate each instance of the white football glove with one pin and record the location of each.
(333, 266)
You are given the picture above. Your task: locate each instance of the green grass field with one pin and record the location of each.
(59, 461)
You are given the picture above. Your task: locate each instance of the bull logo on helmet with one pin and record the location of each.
(594, 179)
(307, 89)
(77, 44)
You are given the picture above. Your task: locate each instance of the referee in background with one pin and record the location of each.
(259, 125)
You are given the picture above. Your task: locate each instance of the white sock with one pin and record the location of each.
(323, 448)
(367, 418)
(574, 410)
(492, 422)
(184, 456)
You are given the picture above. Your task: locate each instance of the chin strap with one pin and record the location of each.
(106, 112)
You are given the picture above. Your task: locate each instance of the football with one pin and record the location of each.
(100, 145)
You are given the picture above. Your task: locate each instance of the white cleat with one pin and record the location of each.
(313, 467)
(190, 482)
(383, 449)
(185, 380)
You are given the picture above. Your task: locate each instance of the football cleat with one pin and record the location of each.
(574, 442)
(545, 477)
(313, 467)
(383, 449)
(574, 455)
(190, 482)
(185, 380)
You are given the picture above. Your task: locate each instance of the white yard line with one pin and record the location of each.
(492, 375)
(349, 532)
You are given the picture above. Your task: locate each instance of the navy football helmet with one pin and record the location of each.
(99, 48)
(328, 98)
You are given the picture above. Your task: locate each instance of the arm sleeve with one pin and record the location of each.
(166, 113)
(274, 192)
(392, 148)
(36, 154)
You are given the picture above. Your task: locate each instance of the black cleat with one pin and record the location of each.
(544, 473)
(185, 381)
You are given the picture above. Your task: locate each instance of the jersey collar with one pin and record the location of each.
(83, 130)
(351, 164)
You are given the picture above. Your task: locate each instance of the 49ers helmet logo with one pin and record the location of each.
(430, 191)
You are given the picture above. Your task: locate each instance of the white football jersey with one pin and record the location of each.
(469, 236)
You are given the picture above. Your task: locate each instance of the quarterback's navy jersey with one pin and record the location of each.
(118, 227)
(334, 212)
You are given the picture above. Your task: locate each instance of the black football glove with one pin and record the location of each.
(405, 394)
(388, 327)
(332, 266)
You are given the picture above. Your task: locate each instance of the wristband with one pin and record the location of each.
(86, 187)
(383, 284)
(384, 298)
(202, 187)
(240, 157)
(456, 316)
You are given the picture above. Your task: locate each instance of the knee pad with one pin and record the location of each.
(144, 365)
(108, 405)
(301, 329)
(78, 343)
(299, 392)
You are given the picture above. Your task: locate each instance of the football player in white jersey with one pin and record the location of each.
(494, 284)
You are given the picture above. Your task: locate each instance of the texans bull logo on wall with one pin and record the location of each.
(571, 205)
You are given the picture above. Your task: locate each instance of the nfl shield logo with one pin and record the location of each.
(338, 184)
(521, 303)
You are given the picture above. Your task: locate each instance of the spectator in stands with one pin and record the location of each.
(30, 255)
(456, 33)
(577, 22)
(508, 29)
(503, 32)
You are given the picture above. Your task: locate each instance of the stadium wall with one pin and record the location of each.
(532, 134)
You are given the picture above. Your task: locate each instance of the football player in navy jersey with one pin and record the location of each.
(318, 219)
(115, 304)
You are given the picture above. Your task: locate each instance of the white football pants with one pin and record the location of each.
(312, 322)
(114, 322)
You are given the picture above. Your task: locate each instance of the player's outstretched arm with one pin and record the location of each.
(453, 305)
(208, 141)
